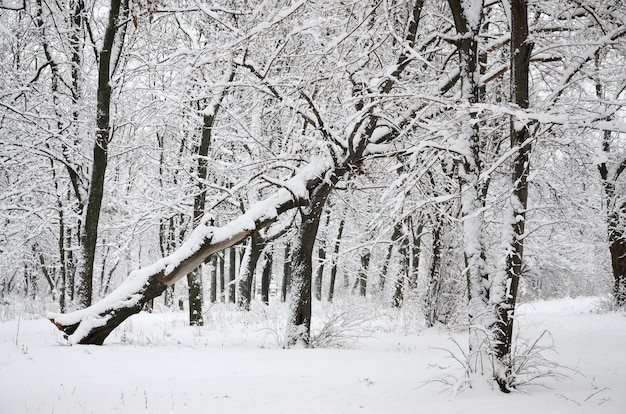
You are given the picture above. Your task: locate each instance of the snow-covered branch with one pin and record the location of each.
(93, 324)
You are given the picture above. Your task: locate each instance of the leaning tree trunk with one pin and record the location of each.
(93, 324)
(299, 322)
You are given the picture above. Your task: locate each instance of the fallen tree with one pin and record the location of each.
(93, 324)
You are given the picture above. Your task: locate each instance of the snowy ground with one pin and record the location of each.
(156, 364)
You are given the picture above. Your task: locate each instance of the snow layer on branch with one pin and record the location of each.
(473, 12)
(124, 295)
(129, 293)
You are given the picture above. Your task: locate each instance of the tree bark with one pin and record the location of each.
(503, 292)
(299, 322)
(473, 189)
(415, 250)
(615, 223)
(434, 277)
(321, 256)
(232, 274)
(248, 266)
(365, 263)
(213, 280)
(89, 236)
(395, 235)
(93, 324)
(194, 279)
(615, 213)
(266, 276)
(398, 287)
(220, 274)
(284, 289)
(333, 269)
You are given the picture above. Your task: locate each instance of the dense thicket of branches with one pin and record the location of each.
(459, 154)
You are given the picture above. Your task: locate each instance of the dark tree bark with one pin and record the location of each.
(467, 16)
(213, 289)
(194, 279)
(299, 322)
(615, 214)
(398, 292)
(333, 269)
(415, 249)
(434, 276)
(617, 248)
(285, 287)
(232, 274)
(266, 276)
(221, 276)
(362, 276)
(195, 297)
(89, 236)
(93, 324)
(308, 190)
(254, 249)
(504, 289)
(395, 235)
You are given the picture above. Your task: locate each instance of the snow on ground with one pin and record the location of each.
(154, 363)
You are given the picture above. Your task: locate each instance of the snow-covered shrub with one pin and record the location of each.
(343, 329)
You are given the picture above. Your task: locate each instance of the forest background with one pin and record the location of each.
(431, 153)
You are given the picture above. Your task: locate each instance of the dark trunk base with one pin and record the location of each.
(96, 335)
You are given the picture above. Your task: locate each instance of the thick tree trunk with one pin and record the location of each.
(89, 235)
(467, 18)
(415, 250)
(93, 324)
(248, 266)
(213, 277)
(221, 275)
(365, 263)
(616, 227)
(617, 248)
(299, 322)
(194, 279)
(195, 297)
(266, 276)
(232, 274)
(398, 292)
(504, 288)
